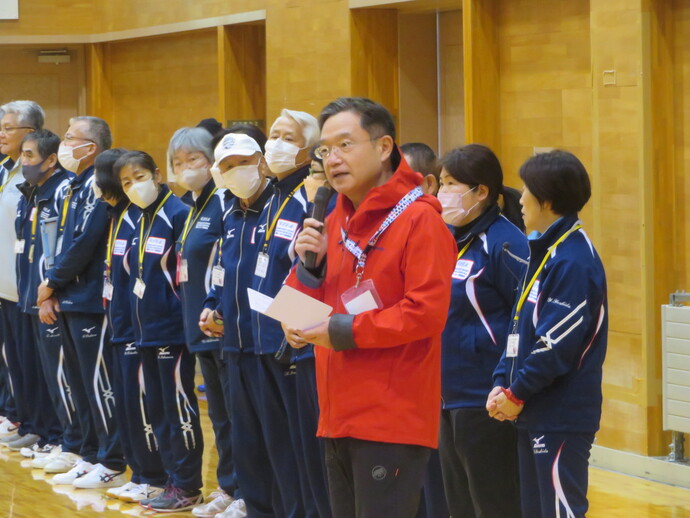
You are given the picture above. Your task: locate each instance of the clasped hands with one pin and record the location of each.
(500, 407)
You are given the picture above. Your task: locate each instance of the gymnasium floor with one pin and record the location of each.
(25, 494)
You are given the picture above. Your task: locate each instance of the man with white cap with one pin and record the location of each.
(241, 168)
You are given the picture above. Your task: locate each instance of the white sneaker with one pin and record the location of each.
(29, 451)
(140, 492)
(100, 477)
(115, 492)
(220, 502)
(237, 509)
(78, 471)
(42, 462)
(7, 427)
(64, 462)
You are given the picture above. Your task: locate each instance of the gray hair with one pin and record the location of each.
(97, 131)
(191, 139)
(306, 121)
(28, 113)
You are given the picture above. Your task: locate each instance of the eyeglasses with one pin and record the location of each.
(343, 147)
(11, 129)
(70, 138)
(314, 172)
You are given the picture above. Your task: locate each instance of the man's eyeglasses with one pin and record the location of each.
(12, 129)
(342, 147)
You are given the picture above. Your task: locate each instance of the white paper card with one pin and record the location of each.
(258, 301)
(361, 303)
(293, 308)
(513, 345)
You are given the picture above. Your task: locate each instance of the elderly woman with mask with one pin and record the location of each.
(190, 155)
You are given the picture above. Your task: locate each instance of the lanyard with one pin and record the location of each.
(65, 209)
(10, 174)
(360, 254)
(143, 239)
(112, 239)
(528, 288)
(272, 227)
(189, 223)
(464, 249)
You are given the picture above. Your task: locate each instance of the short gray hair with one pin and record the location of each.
(97, 131)
(28, 113)
(306, 121)
(191, 139)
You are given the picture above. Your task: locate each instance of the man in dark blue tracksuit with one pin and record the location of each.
(241, 233)
(168, 366)
(197, 248)
(36, 207)
(76, 279)
(555, 370)
(141, 450)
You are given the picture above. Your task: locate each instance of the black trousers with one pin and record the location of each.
(373, 479)
(479, 464)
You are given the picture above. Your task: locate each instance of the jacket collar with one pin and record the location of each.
(114, 212)
(205, 194)
(539, 246)
(260, 202)
(162, 194)
(383, 198)
(47, 190)
(79, 180)
(477, 226)
(288, 184)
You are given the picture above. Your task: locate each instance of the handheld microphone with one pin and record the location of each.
(506, 249)
(323, 194)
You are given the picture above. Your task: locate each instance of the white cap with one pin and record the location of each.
(234, 144)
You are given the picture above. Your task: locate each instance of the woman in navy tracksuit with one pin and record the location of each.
(478, 454)
(550, 376)
(191, 157)
(136, 434)
(168, 366)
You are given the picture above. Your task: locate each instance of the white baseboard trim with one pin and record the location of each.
(650, 468)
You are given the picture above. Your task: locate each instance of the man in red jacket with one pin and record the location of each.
(387, 272)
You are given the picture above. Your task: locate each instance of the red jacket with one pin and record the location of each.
(383, 383)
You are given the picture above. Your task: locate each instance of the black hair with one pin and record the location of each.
(47, 142)
(211, 125)
(422, 158)
(107, 180)
(140, 158)
(250, 130)
(375, 119)
(557, 177)
(312, 154)
(475, 164)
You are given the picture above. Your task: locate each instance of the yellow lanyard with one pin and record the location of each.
(34, 224)
(143, 239)
(464, 249)
(526, 290)
(189, 223)
(65, 209)
(270, 230)
(10, 175)
(112, 240)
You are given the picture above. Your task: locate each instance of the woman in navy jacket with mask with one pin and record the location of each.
(168, 366)
(478, 454)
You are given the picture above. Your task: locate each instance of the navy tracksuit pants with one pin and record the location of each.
(278, 399)
(215, 372)
(254, 472)
(137, 439)
(9, 314)
(85, 336)
(174, 412)
(61, 373)
(312, 455)
(35, 397)
(554, 473)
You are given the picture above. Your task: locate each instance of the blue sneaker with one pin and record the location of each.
(174, 499)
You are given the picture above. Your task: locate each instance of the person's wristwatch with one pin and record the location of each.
(217, 319)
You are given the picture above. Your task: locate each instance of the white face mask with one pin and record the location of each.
(96, 190)
(143, 194)
(193, 179)
(453, 211)
(66, 156)
(281, 155)
(243, 180)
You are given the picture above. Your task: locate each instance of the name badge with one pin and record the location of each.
(218, 275)
(533, 293)
(120, 247)
(462, 269)
(183, 273)
(155, 245)
(261, 265)
(359, 299)
(139, 288)
(19, 246)
(285, 229)
(513, 345)
(107, 290)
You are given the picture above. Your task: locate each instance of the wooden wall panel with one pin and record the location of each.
(159, 85)
(51, 17)
(452, 80)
